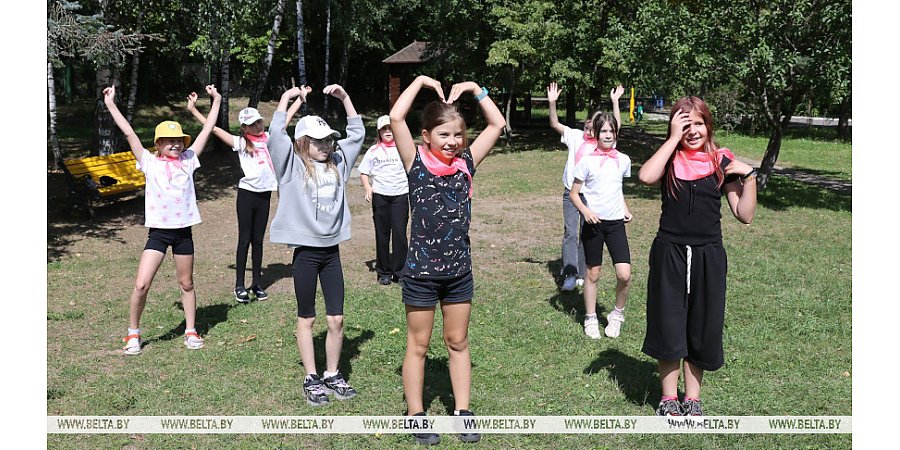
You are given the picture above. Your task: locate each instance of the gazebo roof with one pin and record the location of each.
(411, 54)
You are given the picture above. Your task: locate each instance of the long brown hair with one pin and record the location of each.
(688, 104)
(301, 148)
(248, 146)
(438, 113)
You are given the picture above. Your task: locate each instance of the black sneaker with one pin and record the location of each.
(259, 293)
(384, 280)
(241, 295)
(467, 437)
(426, 438)
(691, 407)
(314, 389)
(669, 408)
(337, 386)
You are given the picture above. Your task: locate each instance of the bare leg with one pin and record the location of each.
(456, 332)
(693, 378)
(623, 283)
(184, 271)
(147, 267)
(590, 289)
(305, 343)
(668, 376)
(334, 340)
(419, 325)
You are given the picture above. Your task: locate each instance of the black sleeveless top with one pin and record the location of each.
(693, 216)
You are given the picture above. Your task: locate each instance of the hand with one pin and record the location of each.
(628, 216)
(459, 88)
(738, 168)
(109, 95)
(335, 90)
(592, 218)
(211, 90)
(192, 101)
(293, 92)
(680, 123)
(304, 91)
(616, 92)
(553, 92)
(368, 196)
(434, 85)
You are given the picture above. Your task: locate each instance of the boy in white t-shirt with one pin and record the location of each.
(597, 193)
(170, 211)
(385, 181)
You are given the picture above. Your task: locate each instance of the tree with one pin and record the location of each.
(266, 65)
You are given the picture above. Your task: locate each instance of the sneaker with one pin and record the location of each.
(426, 438)
(384, 280)
(669, 408)
(615, 320)
(132, 344)
(314, 390)
(691, 407)
(193, 341)
(467, 437)
(569, 283)
(259, 293)
(592, 328)
(241, 295)
(337, 386)
(579, 282)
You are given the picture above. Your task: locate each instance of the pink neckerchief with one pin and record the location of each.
(263, 150)
(589, 145)
(611, 154)
(384, 146)
(693, 165)
(437, 167)
(170, 161)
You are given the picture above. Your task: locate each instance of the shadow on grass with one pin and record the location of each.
(271, 273)
(207, 318)
(783, 192)
(349, 350)
(437, 383)
(637, 379)
(567, 302)
(215, 178)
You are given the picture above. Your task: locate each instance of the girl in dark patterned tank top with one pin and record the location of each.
(686, 283)
(439, 262)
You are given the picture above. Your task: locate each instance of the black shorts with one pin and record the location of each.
(686, 303)
(180, 239)
(611, 232)
(425, 293)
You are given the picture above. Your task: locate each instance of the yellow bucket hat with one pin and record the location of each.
(169, 129)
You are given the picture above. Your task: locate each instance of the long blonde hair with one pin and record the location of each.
(301, 148)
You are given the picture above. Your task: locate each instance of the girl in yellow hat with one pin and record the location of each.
(170, 209)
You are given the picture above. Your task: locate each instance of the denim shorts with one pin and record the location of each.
(425, 292)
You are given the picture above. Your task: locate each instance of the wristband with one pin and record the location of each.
(750, 175)
(482, 95)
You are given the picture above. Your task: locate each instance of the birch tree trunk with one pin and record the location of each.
(135, 65)
(327, 52)
(270, 55)
(225, 90)
(106, 140)
(301, 53)
(51, 106)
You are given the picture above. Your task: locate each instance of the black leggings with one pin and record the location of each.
(391, 214)
(324, 264)
(253, 214)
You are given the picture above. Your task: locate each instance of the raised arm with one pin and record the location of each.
(552, 96)
(614, 95)
(200, 142)
(652, 170)
(109, 99)
(356, 130)
(405, 144)
(495, 121)
(223, 135)
(292, 111)
(338, 92)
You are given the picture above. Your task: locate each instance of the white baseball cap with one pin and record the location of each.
(249, 116)
(314, 127)
(382, 122)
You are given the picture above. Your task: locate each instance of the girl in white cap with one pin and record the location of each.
(313, 217)
(384, 180)
(253, 196)
(170, 209)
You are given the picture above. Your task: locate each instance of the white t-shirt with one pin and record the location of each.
(170, 200)
(573, 139)
(259, 173)
(602, 188)
(384, 166)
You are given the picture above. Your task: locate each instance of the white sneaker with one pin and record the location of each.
(569, 283)
(615, 320)
(592, 328)
(192, 340)
(132, 345)
(579, 282)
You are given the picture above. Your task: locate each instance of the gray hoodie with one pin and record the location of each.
(310, 213)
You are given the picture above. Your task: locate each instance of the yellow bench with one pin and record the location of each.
(103, 177)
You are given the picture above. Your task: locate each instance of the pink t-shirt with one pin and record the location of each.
(170, 200)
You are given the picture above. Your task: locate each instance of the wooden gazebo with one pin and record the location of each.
(400, 65)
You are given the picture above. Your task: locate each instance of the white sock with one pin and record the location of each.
(309, 376)
(328, 374)
(134, 331)
(620, 310)
(590, 316)
(188, 330)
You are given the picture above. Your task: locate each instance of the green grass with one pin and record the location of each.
(787, 337)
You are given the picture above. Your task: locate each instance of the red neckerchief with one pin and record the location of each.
(693, 165)
(437, 167)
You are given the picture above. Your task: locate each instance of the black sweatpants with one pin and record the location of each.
(391, 214)
(322, 264)
(253, 215)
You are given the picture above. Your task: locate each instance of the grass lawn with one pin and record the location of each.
(787, 336)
